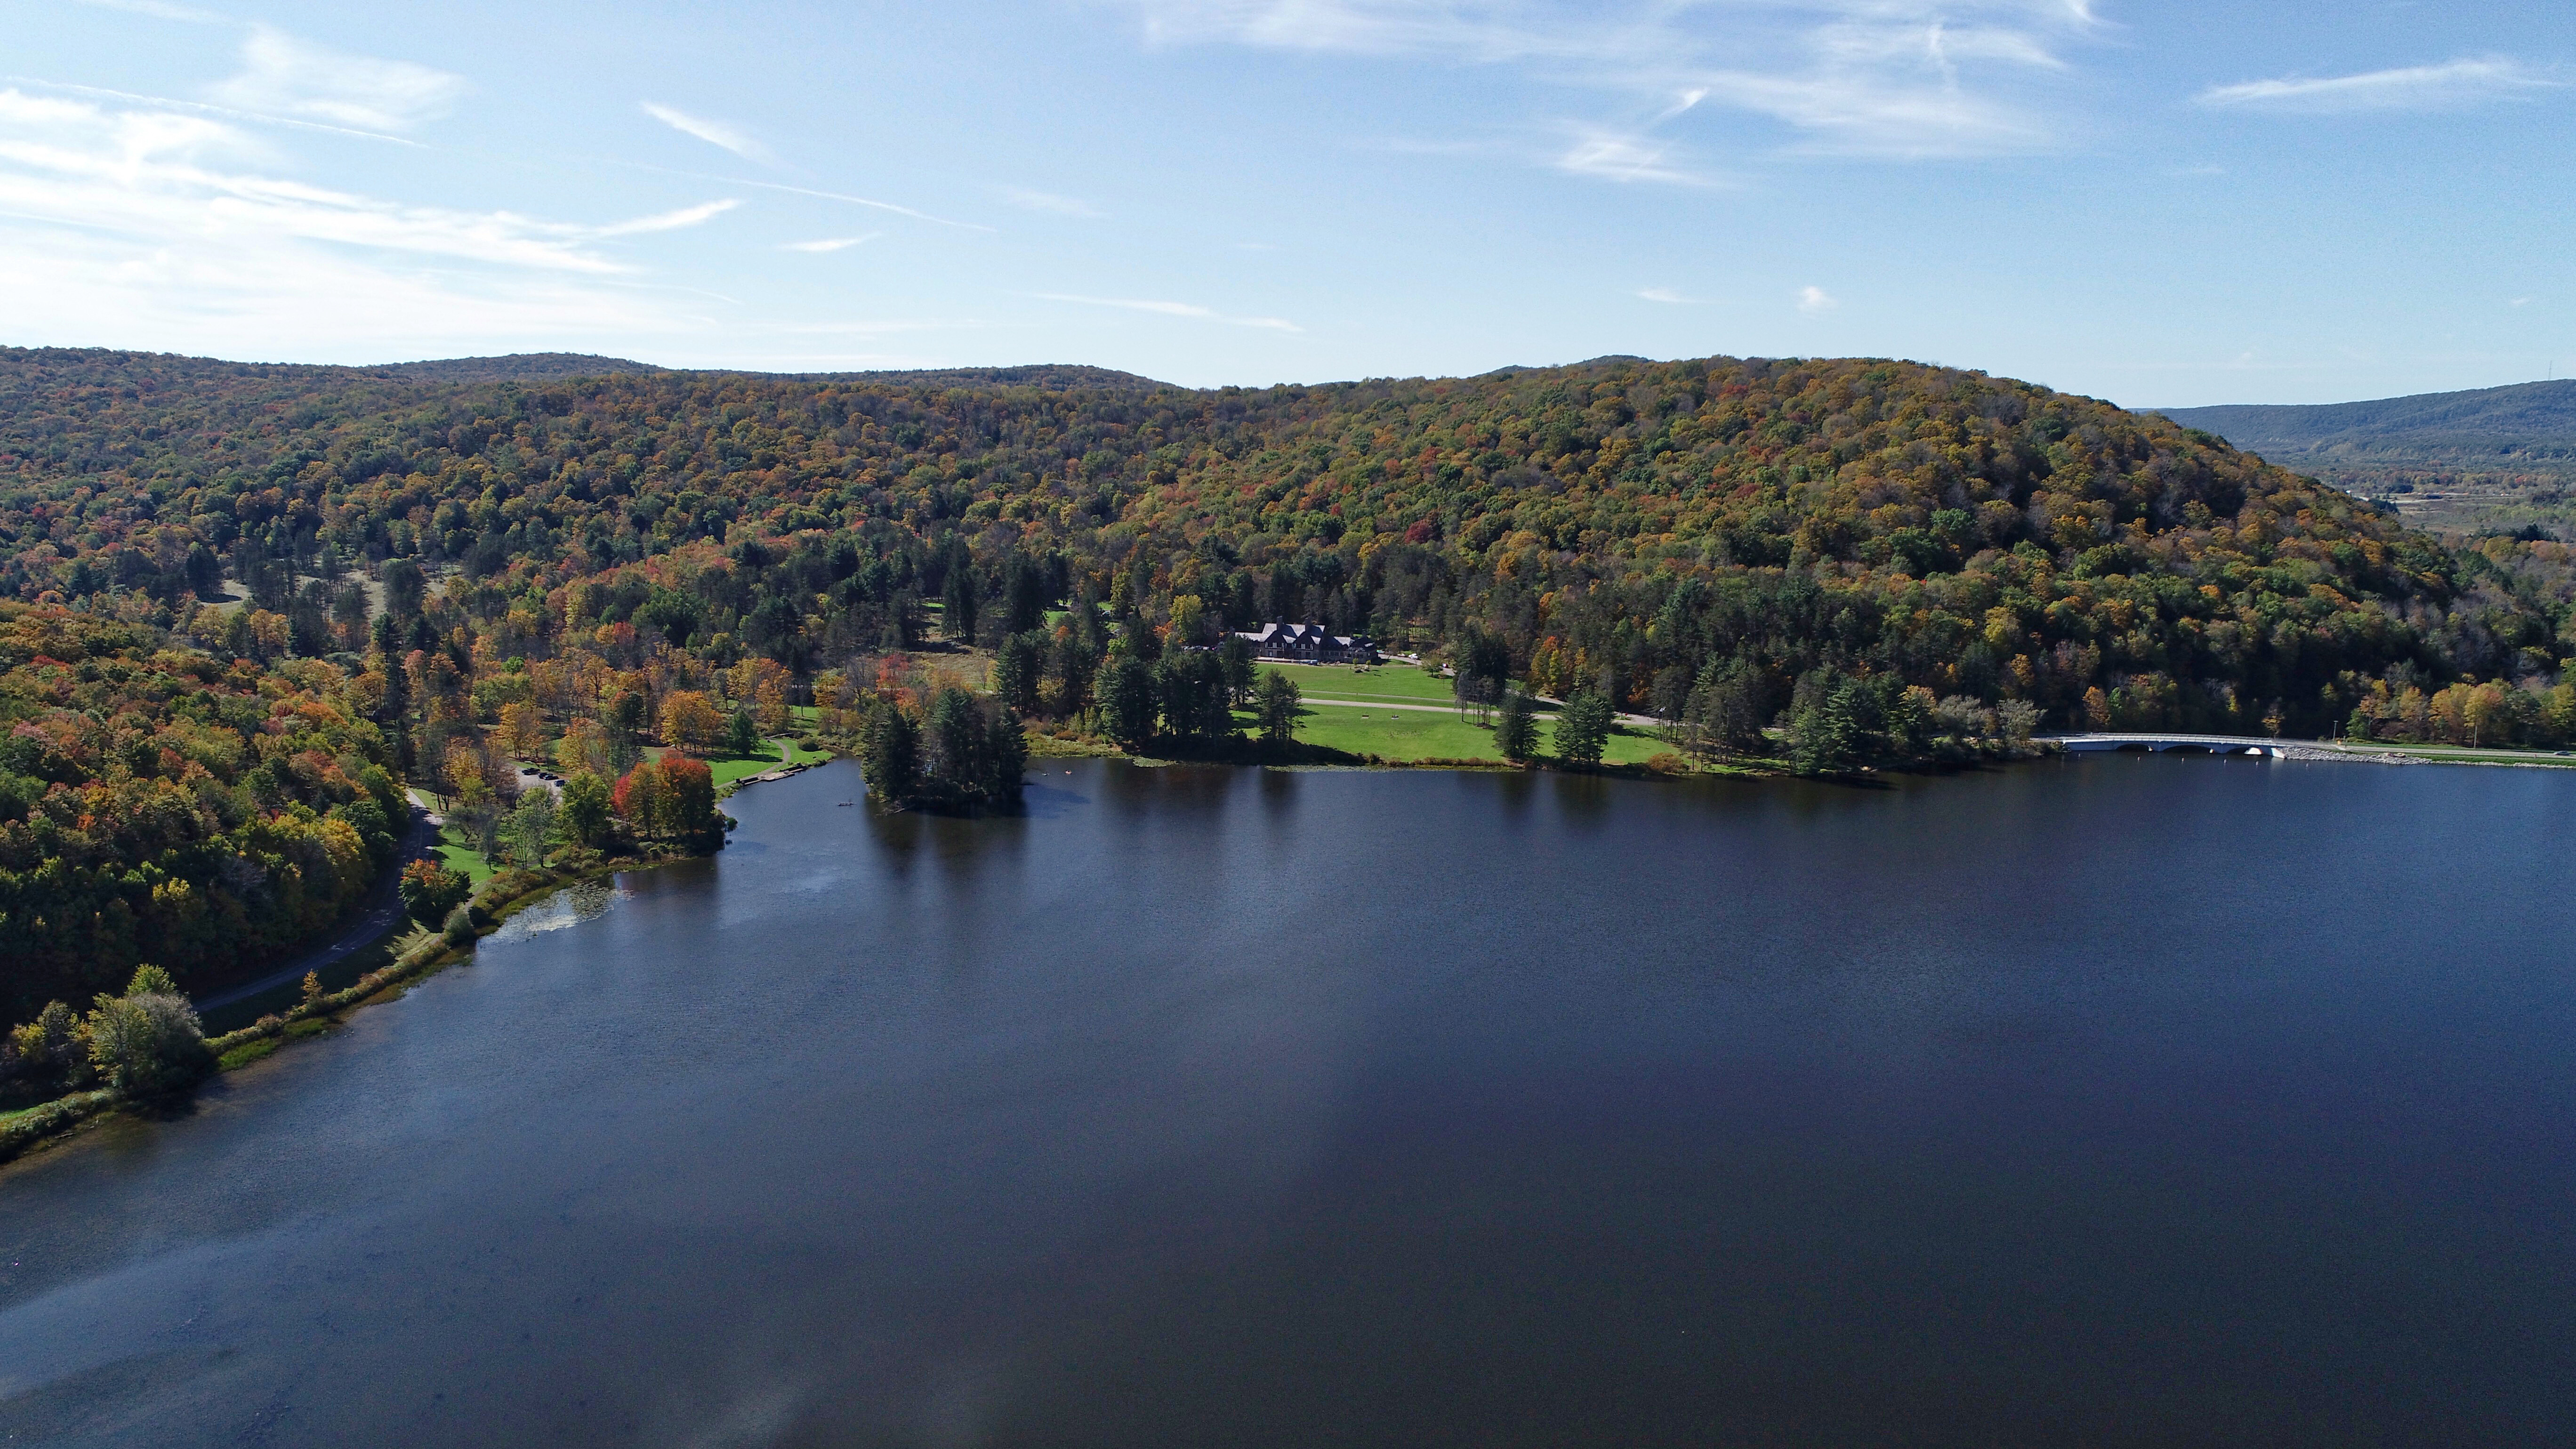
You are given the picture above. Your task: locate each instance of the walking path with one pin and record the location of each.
(383, 908)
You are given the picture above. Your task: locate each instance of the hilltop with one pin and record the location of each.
(2495, 457)
(1621, 523)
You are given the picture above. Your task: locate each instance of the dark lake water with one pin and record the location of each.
(2115, 1102)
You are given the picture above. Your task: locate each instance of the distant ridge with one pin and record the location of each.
(2495, 427)
(1055, 376)
(550, 366)
(174, 369)
(517, 367)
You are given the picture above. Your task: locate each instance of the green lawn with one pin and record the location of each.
(783, 752)
(1413, 734)
(461, 854)
(1352, 681)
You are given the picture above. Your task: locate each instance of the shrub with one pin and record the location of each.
(147, 1043)
(460, 926)
(430, 890)
(32, 1126)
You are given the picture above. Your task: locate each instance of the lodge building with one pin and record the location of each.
(1307, 644)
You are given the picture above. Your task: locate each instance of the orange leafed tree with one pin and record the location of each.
(691, 721)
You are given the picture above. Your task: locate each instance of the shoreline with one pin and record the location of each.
(34, 1128)
(44, 1124)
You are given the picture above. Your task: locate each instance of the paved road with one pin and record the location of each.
(383, 908)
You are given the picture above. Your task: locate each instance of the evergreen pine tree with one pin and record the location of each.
(1583, 729)
(1516, 728)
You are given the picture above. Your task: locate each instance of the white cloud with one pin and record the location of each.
(1048, 201)
(2447, 86)
(284, 76)
(201, 108)
(668, 220)
(153, 173)
(138, 227)
(781, 186)
(1815, 299)
(831, 243)
(185, 14)
(721, 134)
(1612, 156)
(1902, 78)
(1670, 298)
(1175, 309)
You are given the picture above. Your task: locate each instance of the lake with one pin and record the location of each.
(2118, 1101)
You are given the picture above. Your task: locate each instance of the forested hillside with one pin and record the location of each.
(160, 803)
(499, 568)
(1633, 520)
(2491, 460)
(2532, 420)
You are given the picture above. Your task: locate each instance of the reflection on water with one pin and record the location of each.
(2103, 1103)
(574, 904)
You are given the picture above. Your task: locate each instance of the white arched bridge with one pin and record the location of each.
(2164, 743)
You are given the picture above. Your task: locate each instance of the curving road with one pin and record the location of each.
(382, 909)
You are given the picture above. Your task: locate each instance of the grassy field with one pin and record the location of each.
(1400, 682)
(1413, 734)
(460, 853)
(731, 771)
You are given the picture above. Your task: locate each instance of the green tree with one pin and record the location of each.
(1236, 657)
(1482, 671)
(405, 587)
(957, 600)
(1824, 734)
(1192, 684)
(742, 736)
(147, 1043)
(623, 725)
(893, 764)
(1007, 750)
(1729, 705)
(1131, 699)
(51, 1047)
(956, 738)
(1516, 727)
(1019, 670)
(584, 816)
(1276, 700)
(529, 831)
(1076, 661)
(1583, 728)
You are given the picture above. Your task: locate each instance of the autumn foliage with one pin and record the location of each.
(672, 798)
(160, 804)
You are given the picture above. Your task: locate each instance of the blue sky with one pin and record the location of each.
(2161, 204)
